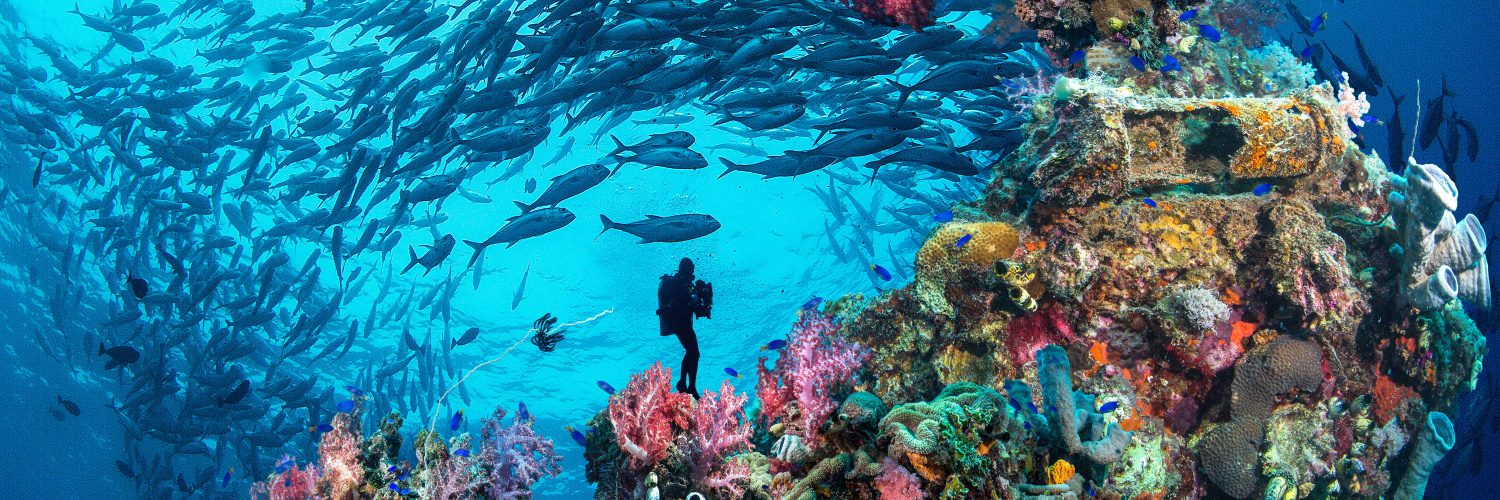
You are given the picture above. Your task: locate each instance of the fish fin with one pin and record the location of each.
(524, 207)
(619, 146)
(413, 252)
(478, 249)
(608, 224)
(905, 93)
(728, 117)
(729, 166)
(649, 216)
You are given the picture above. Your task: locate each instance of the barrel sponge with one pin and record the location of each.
(988, 242)
(1434, 441)
(1106, 441)
(1274, 369)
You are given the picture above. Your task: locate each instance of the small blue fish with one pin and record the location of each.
(1077, 57)
(1317, 23)
(1109, 407)
(392, 469)
(521, 412)
(1170, 63)
(577, 436)
(320, 428)
(963, 240)
(346, 406)
(1149, 202)
(227, 475)
(810, 305)
(461, 453)
(881, 271)
(285, 464)
(943, 216)
(1032, 406)
(731, 372)
(1209, 32)
(1027, 425)
(357, 392)
(458, 418)
(1263, 189)
(394, 487)
(1307, 52)
(608, 389)
(1138, 63)
(1369, 118)
(773, 345)
(1188, 15)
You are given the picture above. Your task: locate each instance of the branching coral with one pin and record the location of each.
(815, 364)
(515, 456)
(646, 416)
(719, 427)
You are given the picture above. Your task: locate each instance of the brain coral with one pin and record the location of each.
(1230, 453)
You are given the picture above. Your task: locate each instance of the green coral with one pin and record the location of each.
(1297, 447)
(1142, 470)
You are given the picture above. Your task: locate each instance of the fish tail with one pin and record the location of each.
(524, 207)
(903, 89)
(413, 252)
(729, 166)
(728, 117)
(619, 146)
(608, 224)
(478, 248)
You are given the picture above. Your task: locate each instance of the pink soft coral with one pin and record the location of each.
(718, 426)
(914, 13)
(1351, 105)
(339, 455)
(814, 363)
(645, 414)
(897, 483)
(727, 480)
(292, 484)
(515, 456)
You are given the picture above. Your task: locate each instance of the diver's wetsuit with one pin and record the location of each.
(674, 298)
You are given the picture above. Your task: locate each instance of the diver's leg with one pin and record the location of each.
(688, 346)
(690, 360)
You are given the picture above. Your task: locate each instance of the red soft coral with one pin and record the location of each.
(897, 483)
(1029, 333)
(814, 364)
(292, 484)
(645, 414)
(914, 13)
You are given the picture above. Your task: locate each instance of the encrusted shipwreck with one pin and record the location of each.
(1160, 297)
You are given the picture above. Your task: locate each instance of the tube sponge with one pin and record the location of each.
(1054, 373)
(1442, 258)
(1436, 439)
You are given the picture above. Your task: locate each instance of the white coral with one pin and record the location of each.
(1442, 258)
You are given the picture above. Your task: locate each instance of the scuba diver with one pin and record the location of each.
(679, 298)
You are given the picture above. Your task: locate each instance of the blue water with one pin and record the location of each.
(771, 255)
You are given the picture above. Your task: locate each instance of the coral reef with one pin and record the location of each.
(1186, 282)
(510, 459)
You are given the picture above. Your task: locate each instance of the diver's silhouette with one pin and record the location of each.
(678, 299)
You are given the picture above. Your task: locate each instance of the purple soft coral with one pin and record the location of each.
(517, 457)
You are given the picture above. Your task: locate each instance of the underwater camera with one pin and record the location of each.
(703, 299)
